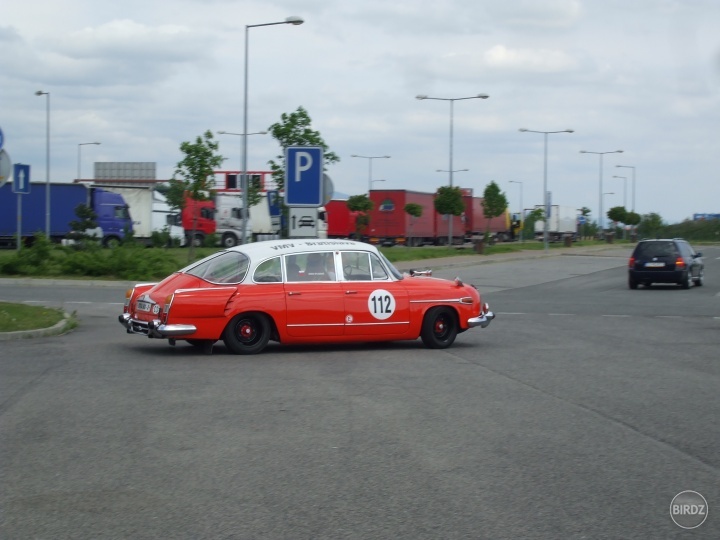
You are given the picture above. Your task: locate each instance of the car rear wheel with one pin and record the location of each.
(439, 328)
(687, 281)
(247, 333)
(700, 280)
(632, 283)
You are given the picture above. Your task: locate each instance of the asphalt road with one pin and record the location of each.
(580, 412)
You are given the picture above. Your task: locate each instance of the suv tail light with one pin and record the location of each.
(679, 263)
(631, 262)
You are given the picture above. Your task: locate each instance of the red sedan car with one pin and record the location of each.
(301, 291)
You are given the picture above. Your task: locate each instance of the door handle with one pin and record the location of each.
(350, 292)
(293, 293)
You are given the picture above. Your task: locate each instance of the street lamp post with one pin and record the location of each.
(47, 162)
(521, 206)
(601, 154)
(370, 160)
(633, 183)
(545, 190)
(624, 178)
(241, 145)
(450, 168)
(378, 180)
(79, 176)
(244, 180)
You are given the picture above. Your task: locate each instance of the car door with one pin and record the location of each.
(375, 304)
(313, 299)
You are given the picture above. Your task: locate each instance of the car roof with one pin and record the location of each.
(268, 248)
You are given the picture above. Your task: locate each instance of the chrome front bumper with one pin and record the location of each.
(482, 321)
(155, 329)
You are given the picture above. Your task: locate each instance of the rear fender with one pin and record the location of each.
(202, 303)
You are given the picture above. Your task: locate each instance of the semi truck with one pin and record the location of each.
(150, 213)
(113, 218)
(341, 221)
(562, 223)
(391, 225)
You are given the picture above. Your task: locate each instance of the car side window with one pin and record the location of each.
(355, 266)
(292, 268)
(269, 271)
(319, 267)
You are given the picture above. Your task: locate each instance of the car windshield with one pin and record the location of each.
(656, 249)
(394, 271)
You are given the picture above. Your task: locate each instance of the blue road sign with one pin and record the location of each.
(304, 176)
(21, 178)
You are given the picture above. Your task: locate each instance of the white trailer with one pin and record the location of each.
(561, 223)
(150, 213)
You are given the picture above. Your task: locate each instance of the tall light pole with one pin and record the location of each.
(79, 177)
(47, 163)
(450, 168)
(624, 178)
(244, 180)
(545, 189)
(521, 206)
(370, 160)
(632, 209)
(601, 154)
(241, 145)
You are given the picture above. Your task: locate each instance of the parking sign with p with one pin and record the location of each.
(304, 176)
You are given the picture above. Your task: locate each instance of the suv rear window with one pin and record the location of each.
(656, 249)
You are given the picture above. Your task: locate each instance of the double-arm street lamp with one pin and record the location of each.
(370, 160)
(601, 219)
(521, 206)
(545, 189)
(47, 162)
(244, 180)
(450, 168)
(80, 145)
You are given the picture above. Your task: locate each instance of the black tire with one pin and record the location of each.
(687, 281)
(439, 328)
(700, 280)
(111, 242)
(229, 240)
(632, 283)
(247, 333)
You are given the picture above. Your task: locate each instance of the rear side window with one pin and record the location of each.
(656, 249)
(227, 267)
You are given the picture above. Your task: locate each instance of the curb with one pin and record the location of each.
(55, 330)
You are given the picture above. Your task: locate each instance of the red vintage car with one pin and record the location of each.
(301, 291)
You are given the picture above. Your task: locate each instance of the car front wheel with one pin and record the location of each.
(439, 328)
(247, 333)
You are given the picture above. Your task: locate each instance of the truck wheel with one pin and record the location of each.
(198, 240)
(247, 333)
(111, 242)
(229, 240)
(439, 328)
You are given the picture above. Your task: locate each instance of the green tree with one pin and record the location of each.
(294, 129)
(494, 203)
(87, 220)
(448, 200)
(194, 176)
(363, 205)
(650, 225)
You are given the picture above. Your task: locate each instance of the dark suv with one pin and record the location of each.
(665, 261)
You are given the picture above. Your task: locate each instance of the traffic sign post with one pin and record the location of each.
(304, 176)
(21, 186)
(302, 222)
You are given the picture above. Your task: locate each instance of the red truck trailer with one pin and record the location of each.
(391, 225)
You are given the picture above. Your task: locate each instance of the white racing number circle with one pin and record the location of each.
(381, 304)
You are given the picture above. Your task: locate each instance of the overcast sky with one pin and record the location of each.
(642, 76)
